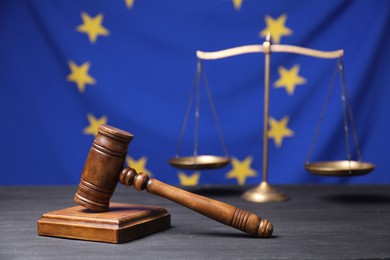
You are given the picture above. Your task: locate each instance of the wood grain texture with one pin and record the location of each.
(216, 210)
(123, 223)
(101, 170)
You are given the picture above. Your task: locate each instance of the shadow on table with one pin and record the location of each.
(357, 199)
(217, 190)
(233, 235)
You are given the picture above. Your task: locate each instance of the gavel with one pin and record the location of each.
(104, 168)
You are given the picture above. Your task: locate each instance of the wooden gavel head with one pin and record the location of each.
(105, 161)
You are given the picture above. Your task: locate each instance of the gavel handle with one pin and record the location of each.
(219, 211)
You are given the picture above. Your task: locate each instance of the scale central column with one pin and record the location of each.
(264, 192)
(267, 65)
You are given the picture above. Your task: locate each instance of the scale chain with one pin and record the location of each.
(214, 112)
(346, 130)
(347, 113)
(322, 116)
(197, 109)
(348, 106)
(184, 126)
(195, 91)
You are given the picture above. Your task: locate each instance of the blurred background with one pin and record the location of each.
(68, 66)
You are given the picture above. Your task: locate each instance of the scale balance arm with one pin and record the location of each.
(273, 48)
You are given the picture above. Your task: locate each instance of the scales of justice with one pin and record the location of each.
(264, 192)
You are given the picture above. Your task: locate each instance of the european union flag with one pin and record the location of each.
(68, 66)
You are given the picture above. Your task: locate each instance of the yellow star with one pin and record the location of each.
(191, 180)
(289, 79)
(92, 26)
(276, 28)
(79, 75)
(279, 130)
(237, 4)
(94, 123)
(129, 3)
(241, 170)
(139, 166)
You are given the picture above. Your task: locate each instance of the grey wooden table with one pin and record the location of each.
(319, 222)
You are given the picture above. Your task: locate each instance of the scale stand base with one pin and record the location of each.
(264, 193)
(122, 223)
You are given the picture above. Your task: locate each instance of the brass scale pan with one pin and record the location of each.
(340, 168)
(326, 168)
(200, 162)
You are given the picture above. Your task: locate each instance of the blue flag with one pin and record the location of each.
(68, 66)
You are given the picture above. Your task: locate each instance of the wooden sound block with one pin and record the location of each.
(122, 223)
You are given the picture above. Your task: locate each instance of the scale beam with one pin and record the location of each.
(274, 48)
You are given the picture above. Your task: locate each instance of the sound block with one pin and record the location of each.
(122, 223)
